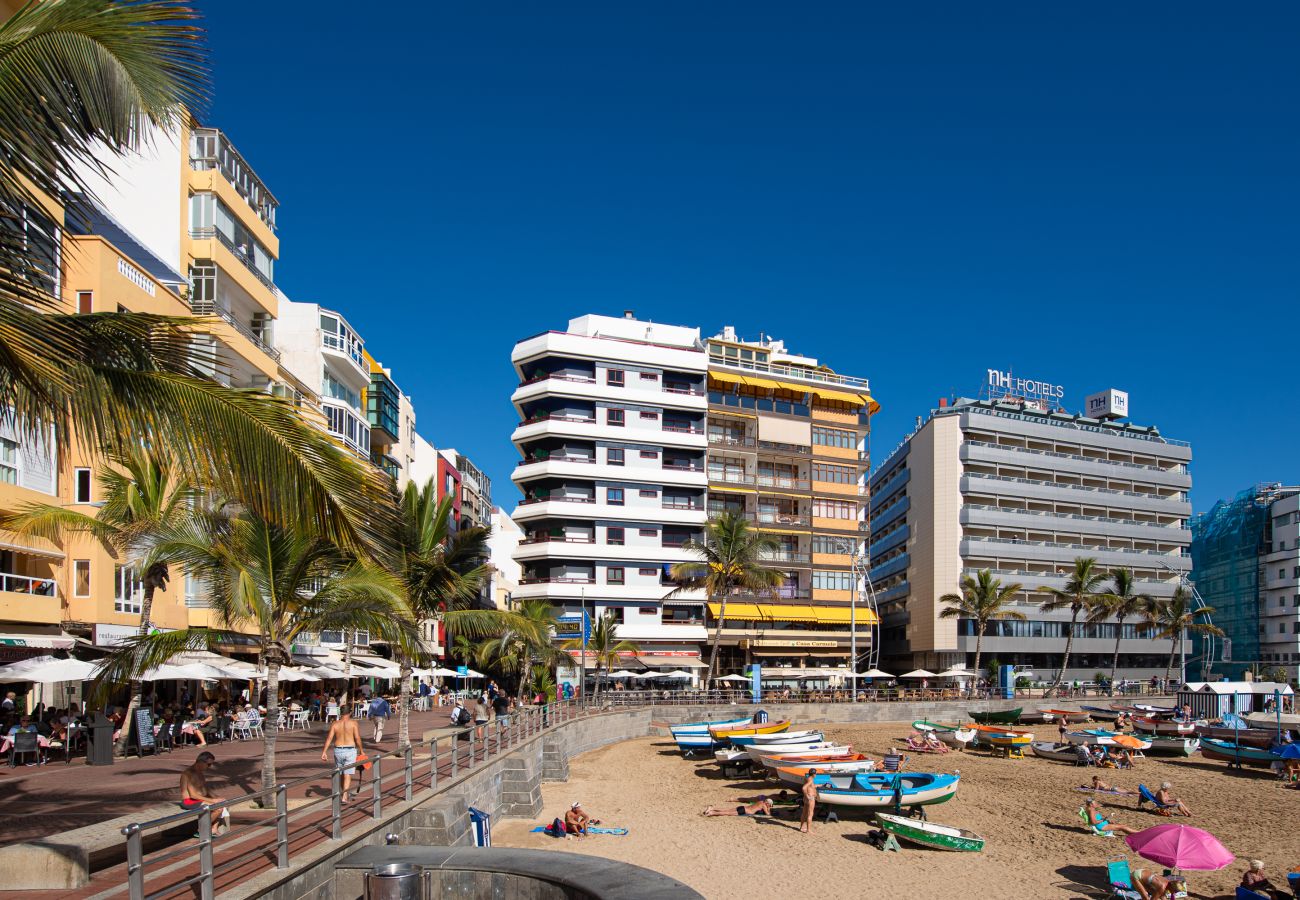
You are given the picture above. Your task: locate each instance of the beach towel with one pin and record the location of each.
(1112, 791)
(591, 829)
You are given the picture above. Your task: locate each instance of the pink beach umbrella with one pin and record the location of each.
(1180, 847)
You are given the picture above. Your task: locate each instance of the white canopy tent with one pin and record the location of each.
(737, 678)
(677, 674)
(327, 672)
(956, 673)
(442, 673)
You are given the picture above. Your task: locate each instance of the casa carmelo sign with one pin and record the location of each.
(1000, 382)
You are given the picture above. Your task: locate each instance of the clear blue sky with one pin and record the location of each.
(1097, 196)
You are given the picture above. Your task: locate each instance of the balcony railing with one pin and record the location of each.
(689, 391)
(209, 149)
(557, 498)
(1179, 496)
(786, 556)
(537, 379)
(681, 504)
(558, 579)
(683, 467)
(683, 428)
(23, 584)
(211, 309)
(1110, 520)
(559, 417)
(557, 539)
(784, 371)
(1091, 548)
(1075, 456)
(784, 448)
(529, 460)
(731, 477)
(780, 481)
(731, 440)
(240, 254)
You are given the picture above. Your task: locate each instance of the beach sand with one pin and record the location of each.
(1026, 809)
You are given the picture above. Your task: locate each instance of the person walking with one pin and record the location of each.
(345, 737)
(380, 712)
(482, 714)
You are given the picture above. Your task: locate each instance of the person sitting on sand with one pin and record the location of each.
(1123, 759)
(1100, 823)
(1151, 886)
(576, 820)
(761, 808)
(1165, 797)
(1254, 879)
(932, 742)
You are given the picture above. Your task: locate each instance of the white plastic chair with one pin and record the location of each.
(331, 712)
(299, 719)
(240, 728)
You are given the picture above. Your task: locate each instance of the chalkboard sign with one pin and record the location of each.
(144, 731)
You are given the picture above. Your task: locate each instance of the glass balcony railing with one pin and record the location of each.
(210, 149)
(211, 309)
(23, 584)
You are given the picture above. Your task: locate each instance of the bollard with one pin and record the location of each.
(336, 805)
(377, 794)
(408, 754)
(134, 861)
(281, 826)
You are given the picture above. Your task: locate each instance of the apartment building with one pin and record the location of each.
(1246, 565)
(392, 424)
(506, 571)
(475, 493)
(1017, 485)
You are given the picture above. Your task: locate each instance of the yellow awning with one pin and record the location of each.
(727, 377)
(781, 612)
(841, 396)
(755, 381)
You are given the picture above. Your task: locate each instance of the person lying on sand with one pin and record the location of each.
(1159, 887)
(1099, 785)
(761, 808)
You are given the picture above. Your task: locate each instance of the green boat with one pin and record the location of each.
(928, 834)
(997, 717)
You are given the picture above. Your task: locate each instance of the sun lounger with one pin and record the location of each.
(1093, 829)
(1245, 893)
(1121, 880)
(1145, 796)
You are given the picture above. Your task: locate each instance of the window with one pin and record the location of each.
(833, 581)
(614, 377)
(614, 575)
(835, 437)
(614, 496)
(614, 457)
(127, 590)
(614, 417)
(8, 461)
(646, 414)
(824, 544)
(614, 536)
(1281, 573)
(834, 474)
(81, 578)
(649, 376)
(649, 454)
(80, 485)
(85, 302)
(648, 572)
(648, 492)
(834, 509)
(1295, 573)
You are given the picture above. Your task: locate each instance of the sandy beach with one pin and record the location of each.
(1037, 846)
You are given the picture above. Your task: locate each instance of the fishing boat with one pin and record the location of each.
(693, 736)
(1071, 716)
(1102, 736)
(997, 716)
(1102, 713)
(881, 790)
(1164, 726)
(930, 834)
(1226, 751)
(1271, 720)
(839, 751)
(1263, 738)
(1173, 746)
(729, 756)
(703, 727)
(983, 733)
(1036, 717)
(820, 762)
(727, 732)
(1009, 740)
(1155, 711)
(952, 735)
(798, 774)
(767, 740)
(1055, 750)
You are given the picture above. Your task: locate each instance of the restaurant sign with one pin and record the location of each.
(760, 642)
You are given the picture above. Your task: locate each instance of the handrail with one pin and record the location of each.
(37, 587)
(1073, 487)
(211, 309)
(1075, 456)
(1115, 520)
(203, 233)
(1090, 547)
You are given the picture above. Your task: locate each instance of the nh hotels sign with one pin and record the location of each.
(1004, 383)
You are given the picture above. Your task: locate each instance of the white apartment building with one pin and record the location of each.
(1279, 602)
(506, 571)
(1022, 488)
(612, 438)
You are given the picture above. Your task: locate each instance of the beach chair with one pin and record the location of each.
(1092, 829)
(1120, 878)
(1145, 796)
(1245, 893)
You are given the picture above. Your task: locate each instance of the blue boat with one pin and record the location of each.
(1237, 754)
(880, 790)
(695, 735)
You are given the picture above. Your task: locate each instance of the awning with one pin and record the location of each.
(42, 641)
(781, 612)
(727, 378)
(680, 662)
(771, 385)
(30, 550)
(841, 396)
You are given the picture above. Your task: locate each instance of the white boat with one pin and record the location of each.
(796, 775)
(1054, 750)
(1270, 720)
(784, 737)
(883, 790)
(766, 757)
(728, 755)
(789, 749)
(953, 736)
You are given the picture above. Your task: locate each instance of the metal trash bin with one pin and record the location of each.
(393, 881)
(99, 741)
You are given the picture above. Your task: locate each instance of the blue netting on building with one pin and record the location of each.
(1226, 545)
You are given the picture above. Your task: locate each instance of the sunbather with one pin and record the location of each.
(1101, 824)
(1159, 887)
(1165, 797)
(932, 742)
(1098, 785)
(761, 808)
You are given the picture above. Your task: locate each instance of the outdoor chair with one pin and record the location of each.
(25, 743)
(1145, 796)
(299, 719)
(241, 728)
(331, 712)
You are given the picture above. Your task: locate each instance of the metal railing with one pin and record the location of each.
(23, 584)
(239, 252)
(1113, 520)
(415, 772)
(1075, 456)
(211, 309)
(1092, 548)
(1080, 487)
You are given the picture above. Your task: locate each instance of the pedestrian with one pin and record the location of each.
(809, 792)
(380, 711)
(482, 713)
(345, 737)
(195, 792)
(9, 704)
(501, 710)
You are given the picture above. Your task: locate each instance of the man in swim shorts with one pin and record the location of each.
(194, 788)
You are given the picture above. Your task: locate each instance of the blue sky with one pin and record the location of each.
(1099, 197)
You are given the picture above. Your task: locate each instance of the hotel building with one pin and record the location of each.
(1022, 488)
(632, 433)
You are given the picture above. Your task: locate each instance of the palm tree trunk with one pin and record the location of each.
(137, 688)
(526, 676)
(717, 637)
(270, 728)
(1173, 651)
(1069, 646)
(347, 664)
(1114, 663)
(404, 705)
(979, 640)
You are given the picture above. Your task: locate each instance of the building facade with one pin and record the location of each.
(1246, 565)
(632, 434)
(1021, 488)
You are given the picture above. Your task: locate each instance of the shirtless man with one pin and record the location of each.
(345, 738)
(194, 788)
(809, 791)
(575, 820)
(1165, 797)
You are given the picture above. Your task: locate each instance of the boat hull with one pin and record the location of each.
(952, 735)
(1101, 714)
(1071, 717)
(1055, 751)
(727, 732)
(1223, 751)
(798, 774)
(996, 717)
(703, 727)
(1247, 737)
(1270, 720)
(1164, 727)
(1036, 718)
(818, 751)
(1174, 746)
(877, 791)
(930, 834)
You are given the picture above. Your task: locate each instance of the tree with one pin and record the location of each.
(1078, 596)
(514, 652)
(1119, 603)
(81, 79)
(729, 560)
(272, 584)
(146, 498)
(983, 599)
(603, 645)
(1174, 618)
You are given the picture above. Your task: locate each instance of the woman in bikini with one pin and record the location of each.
(1101, 824)
(761, 808)
(1159, 887)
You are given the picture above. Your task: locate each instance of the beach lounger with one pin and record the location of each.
(1092, 829)
(1121, 880)
(1145, 796)
(1245, 893)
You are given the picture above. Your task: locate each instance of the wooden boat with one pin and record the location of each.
(797, 774)
(1036, 717)
(1270, 720)
(1173, 746)
(1102, 736)
(1009, 740)
(1155, 711)
(1263, 738)
(1071, 716)
(1164, 726)
(727, 732)
(703, 727)
(952, 735)
(693, 736)
(881, 790)
(1103, 714)
(758, 754)
(983, 733)
(783, 737)
(1055, 750)
(729, 756)
(820, 762)
(1225, 751)
(996, 717)
(930, 834)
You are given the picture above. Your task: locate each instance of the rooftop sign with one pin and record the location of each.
(1001, 384)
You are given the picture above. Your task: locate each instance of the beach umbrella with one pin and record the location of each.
(442, 673)
(874, 673)
(734, 678)
(190, 672)
(327, 672)
(469, 673)
(1180, 847)
(624, 673)
(919, 673)
(956, 673)
(678, 673)
(48, 670)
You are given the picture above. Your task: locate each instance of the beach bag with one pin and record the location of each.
(556, 828)
(364, 762)
(461, 716)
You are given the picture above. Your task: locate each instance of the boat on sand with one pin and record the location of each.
(1056, 751)
(1226, 751)
(1173, 746)
(930, 834)
(953, 735)
(996, 717)
(880, 790)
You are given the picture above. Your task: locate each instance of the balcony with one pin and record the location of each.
(346, 425)
(785, 556)
(728, 440)
(383, 408)
(210, 149)
(560, 417)
(683, 467)
(683, 428)
(243, 254)
(337, 337)
(573, 378)
(556, 498)
(556, 579)
(777, 447)
(211, 309)
(541, 458)
(782, 482)
(556, 538)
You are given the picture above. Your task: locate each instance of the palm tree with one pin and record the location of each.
(78, 77)
(514, 652)
(146, 498)
(271, 584)
(1078, 596)
(730, 560)
(1119, 603)
(1174, 617)
(983, 599)
(603, 646)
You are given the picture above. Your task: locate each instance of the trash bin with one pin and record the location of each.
(99, 741)
(481, 822)
(393, 881)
